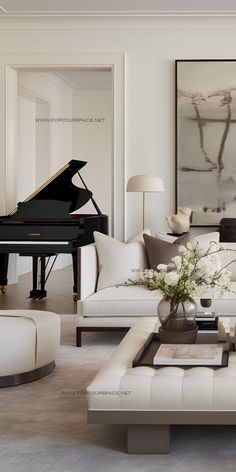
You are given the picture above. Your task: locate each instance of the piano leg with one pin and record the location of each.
(4, 258)
(38, 292)
(34, 292)
(43, 292)
(75, 275)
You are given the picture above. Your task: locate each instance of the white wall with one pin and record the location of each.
(92, 143)
(26, 152)
(151, 46)
(51, 89)
(43, 143)
(26, 161)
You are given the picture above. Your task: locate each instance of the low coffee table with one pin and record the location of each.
(149, 400)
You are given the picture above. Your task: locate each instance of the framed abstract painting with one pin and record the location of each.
(206, 139)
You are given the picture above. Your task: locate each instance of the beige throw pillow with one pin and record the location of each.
(118, 262)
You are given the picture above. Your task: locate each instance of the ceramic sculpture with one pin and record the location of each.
(180, 222)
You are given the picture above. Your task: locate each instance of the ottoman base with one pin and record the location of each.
(24, 377)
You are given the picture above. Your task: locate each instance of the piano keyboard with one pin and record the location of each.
(65, 243)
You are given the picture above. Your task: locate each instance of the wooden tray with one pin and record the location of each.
(146, 354)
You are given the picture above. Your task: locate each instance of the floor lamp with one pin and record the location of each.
(144, 184)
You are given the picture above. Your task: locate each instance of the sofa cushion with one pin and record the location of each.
(121, 301)
(131, 301)
(118, 262)
(160, 251)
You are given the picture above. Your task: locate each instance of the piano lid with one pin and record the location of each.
(60, 187)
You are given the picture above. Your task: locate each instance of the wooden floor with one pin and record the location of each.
(59, 290)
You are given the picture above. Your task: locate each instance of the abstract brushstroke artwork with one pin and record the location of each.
(206, 139)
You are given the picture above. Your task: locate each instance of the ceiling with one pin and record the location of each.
(76, 79)
(87, 79)
(114, 7)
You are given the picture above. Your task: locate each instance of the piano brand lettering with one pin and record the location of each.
(70, 120)
(34, 234)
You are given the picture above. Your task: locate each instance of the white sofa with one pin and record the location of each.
(116, 308)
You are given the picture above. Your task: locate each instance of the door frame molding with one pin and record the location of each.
(9, 65)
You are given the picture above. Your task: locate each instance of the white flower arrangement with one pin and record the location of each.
(188, 274)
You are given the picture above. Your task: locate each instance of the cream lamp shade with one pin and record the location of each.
(145, 183)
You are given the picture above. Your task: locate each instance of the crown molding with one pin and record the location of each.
(113, 14)
(57, 79)
(93, 26)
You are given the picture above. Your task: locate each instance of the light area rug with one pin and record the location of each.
(43, 423)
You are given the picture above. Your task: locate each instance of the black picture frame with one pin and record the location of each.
(205, 139)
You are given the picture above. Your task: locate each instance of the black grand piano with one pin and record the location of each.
(42, 226)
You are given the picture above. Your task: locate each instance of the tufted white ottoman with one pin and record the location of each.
(148, 400)
(29, 342)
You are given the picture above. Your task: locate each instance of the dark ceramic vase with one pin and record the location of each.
(206, 302)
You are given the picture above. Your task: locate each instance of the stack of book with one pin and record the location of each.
(207, 322)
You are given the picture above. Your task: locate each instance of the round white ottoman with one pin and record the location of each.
(29, 342)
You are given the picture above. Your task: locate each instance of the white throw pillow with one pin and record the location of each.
(204, 240)
(139, 237)
(118, 262)
(229, 257)
(166, 237)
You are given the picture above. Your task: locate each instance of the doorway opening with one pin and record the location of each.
(62, 114)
